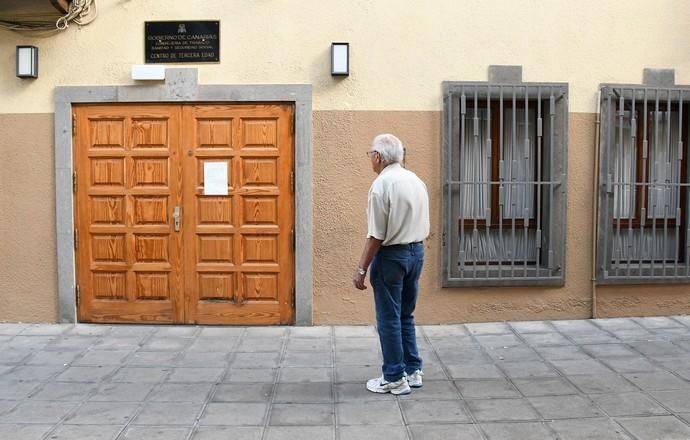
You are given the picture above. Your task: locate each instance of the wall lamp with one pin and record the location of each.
(27, 62)
(340, 59)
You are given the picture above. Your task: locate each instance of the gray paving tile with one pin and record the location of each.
(602, 383)
(486, 388)
(72, 343)
(102, 413)
(95, 432)
(355, 331)
(367, 432)
(177, 331)
(118, 344)
(480, 371)
(221, 332)
(369, 413)
(6, 405)
(248, 375)
(602, 338)
(517, 430)
(12, 329)
(234, 414)
(658, 427)
(544, 386)
(122, 392)
(243, 392)
(454, 342)
(521, 353)
(33, 372)
(581, 366)
(193, 375)
(300, 432)
(654, 322)
(609, 350)
(527, 369)
(309, 345)
(435, 411)
(305, 374)
(659, 380)
(575, 326)
(181, 392)
(675, 400)
(611, 324)
(630, 364)
(94, 373)
(315, 392)
(628, 404)
(368, 357)
(24, 432)
(253, 345)
(53, 357)
(356, 373)
(434, 390)
(226, 433)
(255, 360)
(433, 331)
(132, 330)
(463, 357)
(439, 431)
(153, 359)
(501, 410)
(141, 374)
(496, 341)
(46, 329)
(168, 413)
(357, 392)
(89, 330)
(265, 332)
(325, 332)
(301, 414)
(155, 433)
(14, 356)
(17, 390)
(30, 343)
(157, 343)
(655, 348)
(38, 412)
(636, 335)
(565, 407)
(588, 429)
(545, 339)
(308, 359)
(203, 359)
(561, 352)
(488, 328)
(77, 391)
(526, 327)
(102, 357)
(215, 345)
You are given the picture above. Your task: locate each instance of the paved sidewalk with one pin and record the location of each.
(587, 379)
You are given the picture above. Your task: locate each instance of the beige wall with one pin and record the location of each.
(28, 274)
(401, 49)
(342, 176)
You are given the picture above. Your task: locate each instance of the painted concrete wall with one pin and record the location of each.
(401, 52)
(401, 49)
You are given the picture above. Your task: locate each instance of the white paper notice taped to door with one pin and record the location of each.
(215, 178)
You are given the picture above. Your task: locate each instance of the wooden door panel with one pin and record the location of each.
(232, 260)
(239, 264)
(129, 254)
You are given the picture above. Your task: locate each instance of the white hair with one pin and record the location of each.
(389, 147)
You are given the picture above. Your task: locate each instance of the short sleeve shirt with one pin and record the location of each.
(398, 207)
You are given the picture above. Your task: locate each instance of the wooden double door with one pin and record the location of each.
(157, 243)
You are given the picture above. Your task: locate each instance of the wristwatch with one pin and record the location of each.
(361, 271)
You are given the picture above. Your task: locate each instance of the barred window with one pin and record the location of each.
(643, 177)
(504, 183)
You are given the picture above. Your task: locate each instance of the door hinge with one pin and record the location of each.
(76, 239)
(74, 182)
(74, 125)
(77, 291)
(292, 181)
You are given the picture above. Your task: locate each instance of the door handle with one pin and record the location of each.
(176, 218)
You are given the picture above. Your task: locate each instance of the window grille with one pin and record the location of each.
(504, 186)
(642, 228)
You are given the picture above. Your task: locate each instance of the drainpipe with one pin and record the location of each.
(595, 205)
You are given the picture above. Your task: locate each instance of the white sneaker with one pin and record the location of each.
(381, 385)
(415, 379)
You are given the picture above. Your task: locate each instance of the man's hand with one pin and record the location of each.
(358, 280)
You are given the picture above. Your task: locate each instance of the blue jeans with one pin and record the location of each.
(394, 275)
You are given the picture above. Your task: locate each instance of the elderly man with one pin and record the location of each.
(398, 221)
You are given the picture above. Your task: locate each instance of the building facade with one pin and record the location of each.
(552, 138)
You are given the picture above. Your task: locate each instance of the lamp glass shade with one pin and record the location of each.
(27, 62)
(340, 59)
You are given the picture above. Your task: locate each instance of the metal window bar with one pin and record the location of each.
(531, 122)
(654, 247)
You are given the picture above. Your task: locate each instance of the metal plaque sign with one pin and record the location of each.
(182, 41)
